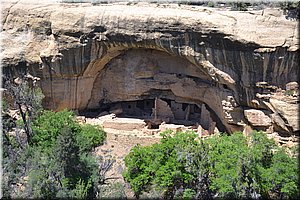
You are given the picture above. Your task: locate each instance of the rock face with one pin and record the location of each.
(257, 118)
(287, 111)
(89, 57)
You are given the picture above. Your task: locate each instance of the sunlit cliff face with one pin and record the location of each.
(196, 60)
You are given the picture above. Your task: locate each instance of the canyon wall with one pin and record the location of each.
(235, 63)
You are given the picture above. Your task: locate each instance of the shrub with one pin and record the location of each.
(238, 6)
(114, 190)
(89, 137)
(48, 126)
(289, 92)
(211, 4)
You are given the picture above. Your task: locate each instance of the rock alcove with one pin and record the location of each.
(235, 69)
(152, 84)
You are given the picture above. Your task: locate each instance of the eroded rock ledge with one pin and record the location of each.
(228, 67)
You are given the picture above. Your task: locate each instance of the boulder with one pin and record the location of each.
(279, 124)
(257, 118)
(81, 119)
(288, 111)
(292, 86)
(172, 127)
(275, 12)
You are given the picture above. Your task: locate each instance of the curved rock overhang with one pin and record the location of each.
(70, 48)
(135, 73)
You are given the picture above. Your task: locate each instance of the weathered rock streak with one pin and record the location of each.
(88, 54)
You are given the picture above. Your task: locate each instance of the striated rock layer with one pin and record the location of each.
(88, 56)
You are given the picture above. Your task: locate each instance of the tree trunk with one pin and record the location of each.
(23, 115)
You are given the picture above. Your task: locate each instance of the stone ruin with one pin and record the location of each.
(163, 111)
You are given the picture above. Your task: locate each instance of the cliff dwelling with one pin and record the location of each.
(157, 87)
(146, 99)
(189, 66)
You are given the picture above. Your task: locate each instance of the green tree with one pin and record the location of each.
(232, 166)
(90, 137)
(162, 165)
(64, 172)
(227, 166)
(67, 158)
(47, 127)
(282, 177)
(57, 163)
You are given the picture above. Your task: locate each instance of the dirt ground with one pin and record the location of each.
(117, 146)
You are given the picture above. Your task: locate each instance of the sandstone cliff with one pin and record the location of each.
(233, 62)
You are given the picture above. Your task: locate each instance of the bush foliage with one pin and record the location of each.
(235, 166)
(48, 127)
(57, 162)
